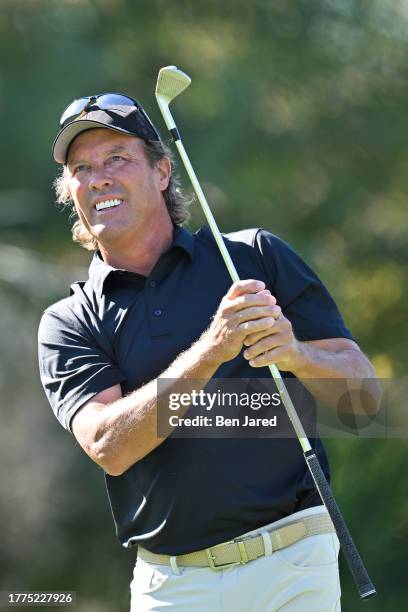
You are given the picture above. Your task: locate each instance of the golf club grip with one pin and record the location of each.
(364, 585)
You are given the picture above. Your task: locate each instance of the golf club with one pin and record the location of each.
(170, 83)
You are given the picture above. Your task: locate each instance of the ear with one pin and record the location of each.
(164, 170)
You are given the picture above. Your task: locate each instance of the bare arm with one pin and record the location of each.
(329, 368)
(117, 431)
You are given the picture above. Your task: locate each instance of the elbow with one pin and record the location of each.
(376, 393)
(110, 466)
(109, 461)
(102, 443)
(364, 399)
(114, 470)
(373, 391)
(370, 396)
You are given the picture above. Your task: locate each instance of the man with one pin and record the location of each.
(157, 307)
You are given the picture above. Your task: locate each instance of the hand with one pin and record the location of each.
(247, 309)
(276, 344)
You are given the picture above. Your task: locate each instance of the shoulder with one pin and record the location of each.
(253, 236)
(67, 313)
(272, 248)
(62, 309)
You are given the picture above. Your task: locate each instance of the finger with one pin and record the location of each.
(255, 312)
(254, 338)
(277, 327)
(248, 300)
(254, 326)
(245, 286)
(265, 292)
(275, 355)
(267, 343)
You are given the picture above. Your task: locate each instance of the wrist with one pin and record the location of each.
(301, 360)
(209, 354)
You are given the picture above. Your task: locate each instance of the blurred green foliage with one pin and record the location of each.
(295, 121)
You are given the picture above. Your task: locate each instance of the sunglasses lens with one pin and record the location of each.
(73, 110)
(106, 101)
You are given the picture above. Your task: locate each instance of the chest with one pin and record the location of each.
(149, 326)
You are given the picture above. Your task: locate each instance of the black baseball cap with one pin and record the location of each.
(113, 111)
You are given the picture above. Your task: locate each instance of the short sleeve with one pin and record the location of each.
(73, 365)
(304, 299)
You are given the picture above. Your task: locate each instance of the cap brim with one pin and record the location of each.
(65, 137)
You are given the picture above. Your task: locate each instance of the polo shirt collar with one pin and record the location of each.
(99, 270)
(182, 238)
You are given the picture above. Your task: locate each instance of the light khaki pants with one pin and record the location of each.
(303, 577)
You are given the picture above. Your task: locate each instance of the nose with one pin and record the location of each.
(99, 180)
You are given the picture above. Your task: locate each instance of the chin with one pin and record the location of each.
(102, 232)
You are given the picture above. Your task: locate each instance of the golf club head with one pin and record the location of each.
(170, 83)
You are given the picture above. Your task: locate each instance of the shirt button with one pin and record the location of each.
(152, 283)
(158, 312)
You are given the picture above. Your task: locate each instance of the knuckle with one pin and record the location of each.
(241, 333)
(236, 284)
(224, 311)
(228, 304)
(230, 324)
(244, 326)
(242, 284)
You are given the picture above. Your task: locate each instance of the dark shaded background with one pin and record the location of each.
(296, 121)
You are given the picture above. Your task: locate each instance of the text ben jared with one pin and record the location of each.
(219, 400)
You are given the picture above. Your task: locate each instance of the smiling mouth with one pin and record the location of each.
(108, 204)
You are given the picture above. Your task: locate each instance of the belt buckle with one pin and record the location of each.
(220, 566)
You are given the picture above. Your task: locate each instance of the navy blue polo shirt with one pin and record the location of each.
(123, 328)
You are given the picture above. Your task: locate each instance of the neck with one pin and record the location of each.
(140, 253)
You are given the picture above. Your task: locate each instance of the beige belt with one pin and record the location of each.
(246, 548)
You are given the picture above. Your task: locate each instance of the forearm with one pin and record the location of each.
(117, 431)
(331, 373)
(127, 428)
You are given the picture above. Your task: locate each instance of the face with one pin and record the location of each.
(117, 194)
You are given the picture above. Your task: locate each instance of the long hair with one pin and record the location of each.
(176, 201)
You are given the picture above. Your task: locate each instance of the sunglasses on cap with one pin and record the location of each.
(108, 101)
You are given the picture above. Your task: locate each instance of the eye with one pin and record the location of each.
(115, 158)
(79, 168)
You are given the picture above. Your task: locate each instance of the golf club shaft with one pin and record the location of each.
(300, 432)
(362, 580)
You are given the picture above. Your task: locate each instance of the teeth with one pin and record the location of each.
(108, 204)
